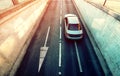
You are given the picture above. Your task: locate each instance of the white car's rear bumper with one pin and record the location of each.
(74, 38)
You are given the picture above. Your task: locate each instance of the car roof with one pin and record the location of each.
(73, 20)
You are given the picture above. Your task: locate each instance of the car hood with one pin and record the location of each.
(75, 32)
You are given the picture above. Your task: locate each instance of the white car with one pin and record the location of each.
(73, 28)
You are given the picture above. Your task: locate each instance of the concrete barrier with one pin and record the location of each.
(16, 31)
(104, 30)
(4, 4)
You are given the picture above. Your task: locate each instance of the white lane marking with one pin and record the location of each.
(61, 12)
(59, 73)
(60, 50)
(60, 32)
(47, 36)
(60, 55)
(78, 58)
(60, 19)
(43, 50)
(61, 6)
(40, 63)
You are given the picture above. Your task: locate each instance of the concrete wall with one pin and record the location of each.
(106, 31)
(5, 4)
(16, 31)
(15, 2)
(22, 0)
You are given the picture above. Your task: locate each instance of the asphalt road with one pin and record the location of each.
(64, 57)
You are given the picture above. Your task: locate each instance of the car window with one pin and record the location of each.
(74, 27)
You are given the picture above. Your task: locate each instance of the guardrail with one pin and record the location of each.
(16, 32)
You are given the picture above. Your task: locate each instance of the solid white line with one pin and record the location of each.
(47, 36)
(78, 58)
(59, 54)
(60, 19)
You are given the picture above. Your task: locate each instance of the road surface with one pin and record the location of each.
(64, 57)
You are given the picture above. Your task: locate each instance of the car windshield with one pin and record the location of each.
(74, 27)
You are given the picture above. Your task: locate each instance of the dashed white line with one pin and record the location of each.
(59, 54)
(61, 12)
(78, 58)
(61, 6)
(60, 32)
(60, 49)
(60, 46)
(60, 19)
(59, 73)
